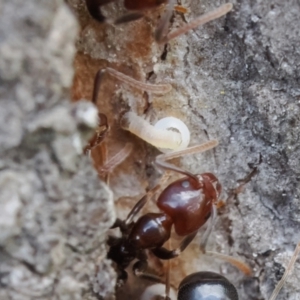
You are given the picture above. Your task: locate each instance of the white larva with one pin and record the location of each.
(168, 133)
(171, 124)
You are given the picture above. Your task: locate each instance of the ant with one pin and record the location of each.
(137, 8)
(186, 204)
(209, 285)
(201, 285)
(196, 286)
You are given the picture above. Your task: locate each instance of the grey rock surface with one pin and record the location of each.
(54, 211)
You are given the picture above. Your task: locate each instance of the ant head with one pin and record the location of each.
(206, 285)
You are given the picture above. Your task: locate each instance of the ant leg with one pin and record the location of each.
(162, 158)
(239, 264)
(119, 224)
(117, 159)
(100, 135)
(130, 17)
(209, 228)
(152, 88)
(286, 273)
(160, 32)
(167, 293)
(140, 204)
(163, 253)
(161, 37)
(212, 15)
(140, 270)
(240, 188)
(136, 209)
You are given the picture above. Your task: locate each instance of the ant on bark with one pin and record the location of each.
(186, 204)
(208, 285)
(137, 8)
(196, 286)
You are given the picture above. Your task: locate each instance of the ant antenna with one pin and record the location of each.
(209, 228)
(151, 88)
(209, 16)
(160, 32)
(286, 273)
(239, 264)
(167, 293)
(114, 161)
(162, 158)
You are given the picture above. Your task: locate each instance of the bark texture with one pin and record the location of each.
(54, 211)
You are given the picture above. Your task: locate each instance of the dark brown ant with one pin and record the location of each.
(185, 204)
(209, 285)
(137, 8)
(196, 286)
(204, 285)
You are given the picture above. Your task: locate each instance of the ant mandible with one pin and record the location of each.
(137, 8)
(185, 204)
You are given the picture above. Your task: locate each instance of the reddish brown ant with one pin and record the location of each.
(185, 204)
(138, 7)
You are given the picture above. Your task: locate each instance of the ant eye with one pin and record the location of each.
(185, 184)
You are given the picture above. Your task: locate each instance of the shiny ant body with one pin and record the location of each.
(209, 285)
(206, 285)
(196, 286)
(185, 204)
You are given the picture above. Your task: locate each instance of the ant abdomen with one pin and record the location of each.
(206, 285)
